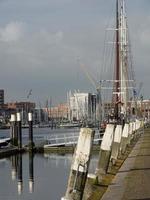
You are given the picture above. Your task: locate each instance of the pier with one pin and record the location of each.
(128, 177)
(133, 178)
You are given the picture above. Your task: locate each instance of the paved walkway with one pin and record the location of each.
(132, 182)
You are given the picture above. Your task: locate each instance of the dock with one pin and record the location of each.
(132, 181)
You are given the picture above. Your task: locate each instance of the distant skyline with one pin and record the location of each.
(42, 40)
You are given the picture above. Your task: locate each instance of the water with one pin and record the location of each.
(48, 173)
(39, 134)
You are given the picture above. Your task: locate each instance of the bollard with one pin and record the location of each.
(80, 165)
(20, 180)
(12, 129)
(124, 138)
(116, 144)
(19, 128)
(31, 173)
(30, 121)
(105, 152)
(138, 128)
(130, 133)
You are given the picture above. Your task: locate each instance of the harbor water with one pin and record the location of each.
(36, 176)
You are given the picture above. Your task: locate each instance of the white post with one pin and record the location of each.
(105, 151)
(19, 130)
(80, 165)
(124, 138)
(116, 143)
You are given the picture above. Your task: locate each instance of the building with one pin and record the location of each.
(82, 106)
(1, 98)
(21, 106)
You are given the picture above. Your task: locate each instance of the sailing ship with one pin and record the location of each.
(123, 82)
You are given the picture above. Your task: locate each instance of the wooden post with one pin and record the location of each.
(116, 144)
(19, 130)
(80, 165)
(105, 152)
(30, 121)
(12, 129)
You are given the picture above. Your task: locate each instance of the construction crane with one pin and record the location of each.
(29, 93)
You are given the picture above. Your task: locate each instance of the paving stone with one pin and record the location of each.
(132, 181)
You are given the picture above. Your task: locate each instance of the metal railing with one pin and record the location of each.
(66, 139)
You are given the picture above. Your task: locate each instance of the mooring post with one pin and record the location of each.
(105, 152)
(124, 138)
(80, 165)
(138, 128)
(31, 172)
(116, 144)
(20, 180)
(130, 133)
(12, 128)
(19, 130)
(30, 121)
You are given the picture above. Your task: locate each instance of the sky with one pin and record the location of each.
(44, 42)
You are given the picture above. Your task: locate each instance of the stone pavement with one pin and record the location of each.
(132, 181)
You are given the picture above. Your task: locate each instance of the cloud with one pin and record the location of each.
(11, 32)
(41, 41)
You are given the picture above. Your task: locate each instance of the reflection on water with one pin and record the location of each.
(31, 172)
(17, 171)
(36, 176)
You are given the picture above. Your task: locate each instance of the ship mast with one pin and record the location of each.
(117, 66)
(121, 66)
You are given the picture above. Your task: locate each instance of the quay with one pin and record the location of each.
(64, 149)
(133, 178)
(129, 178)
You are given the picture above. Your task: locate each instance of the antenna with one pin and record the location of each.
(29, 93)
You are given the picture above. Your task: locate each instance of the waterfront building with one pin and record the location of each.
(1, 98)
(82, 106)
(23, 107)
(57, 113)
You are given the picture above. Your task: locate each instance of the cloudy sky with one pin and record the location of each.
(42, 41)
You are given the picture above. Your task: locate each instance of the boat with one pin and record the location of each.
(4, 142)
